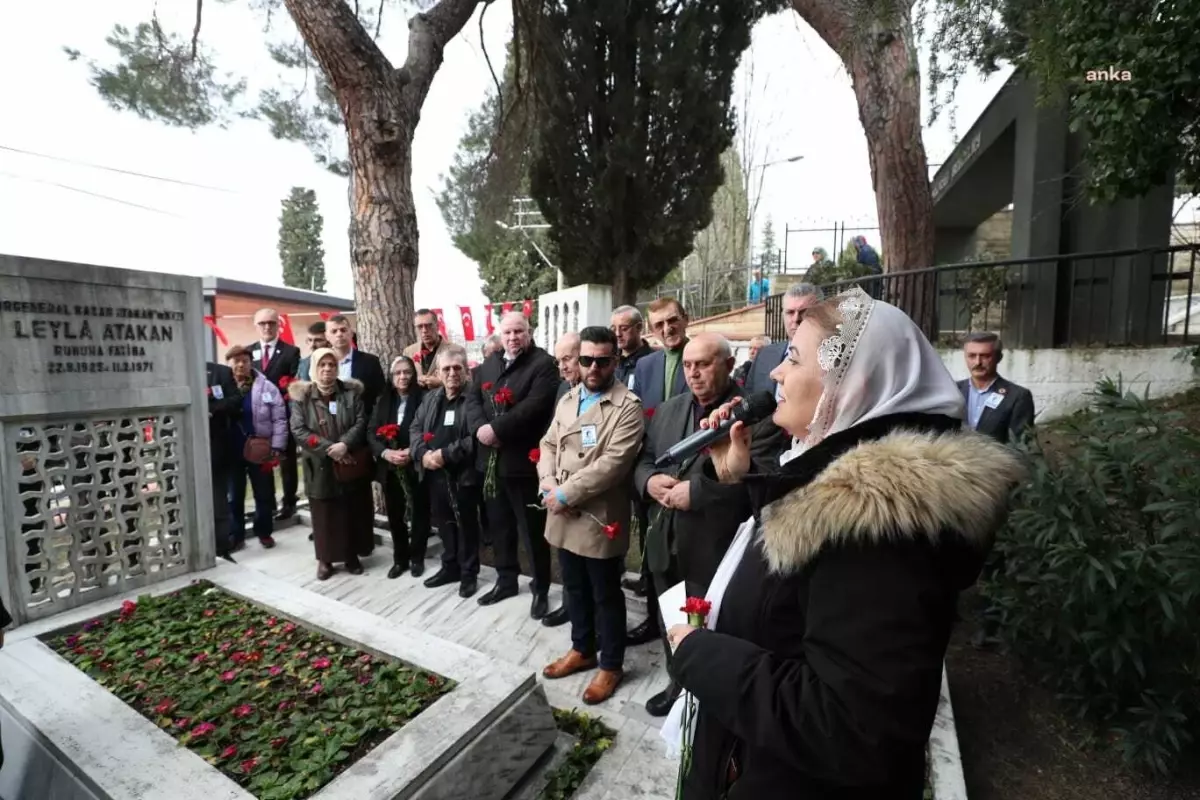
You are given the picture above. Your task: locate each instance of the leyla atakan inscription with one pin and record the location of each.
(69, 336)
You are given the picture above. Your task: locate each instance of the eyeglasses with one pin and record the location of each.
(600, 361)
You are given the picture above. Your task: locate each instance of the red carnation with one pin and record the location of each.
(649, 413)
(269, 466)
(426, 437)
(284, 381)
(696, 605)
(208, 391)
(487, 386)
(389, 432)
(503, 396)
(313, 441)
(612, 530)
(535, 455)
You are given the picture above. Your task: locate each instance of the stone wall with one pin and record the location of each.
(104, 468)
(1060, 379)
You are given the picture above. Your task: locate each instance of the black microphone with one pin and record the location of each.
(751, 410)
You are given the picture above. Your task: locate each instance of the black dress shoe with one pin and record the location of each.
(496, 594)
(228, 558)
(417, 568)
(395, 572)
(540, 606)
(556, 617)
(637, 586)
(310, 537)
(660, 704)
(644, 633)
(285, 514)
(468, 587)
(440, 578)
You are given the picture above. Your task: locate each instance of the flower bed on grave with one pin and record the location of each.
(279, 709)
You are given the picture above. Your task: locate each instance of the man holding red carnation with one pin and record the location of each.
(509, 410)
(585, 465)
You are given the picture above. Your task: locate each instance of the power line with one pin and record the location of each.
(114, 169)
(90, 193)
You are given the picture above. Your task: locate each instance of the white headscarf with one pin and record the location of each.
(878, 363)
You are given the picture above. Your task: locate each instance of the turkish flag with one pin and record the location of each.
(527, 308)
(507, 307)
(467, 323)
(441, 321)
(285, 330)
(325, 315)
(491, 323)
(212, 323)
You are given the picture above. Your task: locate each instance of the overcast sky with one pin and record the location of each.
(800, 99)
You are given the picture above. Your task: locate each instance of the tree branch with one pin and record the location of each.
(428, 34)
(196, 29)
(337, 39)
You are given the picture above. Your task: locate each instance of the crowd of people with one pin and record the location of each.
(832, 538)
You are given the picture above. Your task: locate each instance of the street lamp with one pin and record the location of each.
(506, 227)
(754, 208)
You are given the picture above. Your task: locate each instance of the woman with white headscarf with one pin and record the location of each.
(819, 671)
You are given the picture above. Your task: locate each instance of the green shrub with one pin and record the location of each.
(1097, 575)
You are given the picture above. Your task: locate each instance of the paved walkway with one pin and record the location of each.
(636, 767)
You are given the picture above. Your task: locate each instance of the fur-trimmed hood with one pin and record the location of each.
(905, 485)
(299, 390)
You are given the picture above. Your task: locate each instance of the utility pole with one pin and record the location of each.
(527, 217)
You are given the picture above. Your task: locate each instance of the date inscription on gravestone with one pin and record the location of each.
(64, 336)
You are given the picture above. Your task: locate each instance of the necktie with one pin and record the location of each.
(266, 355)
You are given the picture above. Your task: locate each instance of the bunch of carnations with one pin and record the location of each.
(697, 610)
(390, 433)
(501, 399)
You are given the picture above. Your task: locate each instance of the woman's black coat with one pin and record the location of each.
(823, 676)
(384, 413)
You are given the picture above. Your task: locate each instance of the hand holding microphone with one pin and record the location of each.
(730, 455)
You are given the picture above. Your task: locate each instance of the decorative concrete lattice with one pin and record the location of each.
(99, 507)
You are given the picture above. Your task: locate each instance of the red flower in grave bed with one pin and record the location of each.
(503, 396)
(535, 455)
(426, 437)
(486, 386)
(388, 432)
(697, 605)
(313, 441)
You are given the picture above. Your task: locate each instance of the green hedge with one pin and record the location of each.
(1096, 579)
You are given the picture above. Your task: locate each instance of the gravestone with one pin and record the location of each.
(104, 474)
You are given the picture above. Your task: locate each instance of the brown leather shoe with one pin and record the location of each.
(574, 661)
(602, 686)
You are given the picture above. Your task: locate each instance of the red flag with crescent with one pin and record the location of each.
(441, 322)
(491, 322)
(505, 308)
(325, 315)
(285, 330)
(467, 322)
(527, 308)
(211, 322)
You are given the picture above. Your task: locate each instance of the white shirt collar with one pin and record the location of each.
(271, 344)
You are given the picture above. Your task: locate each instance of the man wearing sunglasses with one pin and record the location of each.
(586, 461)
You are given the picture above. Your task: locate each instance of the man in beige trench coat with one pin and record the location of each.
(586, 459)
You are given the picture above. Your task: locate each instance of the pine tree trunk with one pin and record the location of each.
(880, 56)
(381, 106)
(624, 293)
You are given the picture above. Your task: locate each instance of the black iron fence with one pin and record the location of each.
(1114, 298)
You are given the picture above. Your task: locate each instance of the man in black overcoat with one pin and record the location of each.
(510, 405)
(278, 360)
(224, 409)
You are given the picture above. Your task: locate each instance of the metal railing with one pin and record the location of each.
(1114, 298)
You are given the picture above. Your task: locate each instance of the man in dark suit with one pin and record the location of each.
(659, 376)
(996, 407)
(510, 409)
(354, 363)
(280, 363)
(223, 412)
(627, 324)
(694, 518)
(566, 354)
